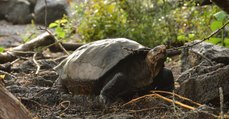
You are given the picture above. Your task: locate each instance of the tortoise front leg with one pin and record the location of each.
(117, 86)
(164, 81)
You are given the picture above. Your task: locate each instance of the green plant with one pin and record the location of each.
(150, 22)
(100, 19)
(2, 49)
(221, 39)
(59, 26)
(139, 20)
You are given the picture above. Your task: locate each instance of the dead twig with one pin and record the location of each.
(138, 98)
(161, 97)
(174, 105)
(11, 63)
(6, 73)
(62, 105)
(46, 13)
(37, 64)
(212, 34)
(144, 110)
(221, 102)
(179, 96)
(176, 102)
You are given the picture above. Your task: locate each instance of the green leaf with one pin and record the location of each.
(60, 32)
(191, 35)
(52, 25)
(216, 25)
(226, 41)
(220, 16)
(181, 37)
(2, 49)
(214, 40)
(63, 21)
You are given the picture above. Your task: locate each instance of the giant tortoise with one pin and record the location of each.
(113, 68)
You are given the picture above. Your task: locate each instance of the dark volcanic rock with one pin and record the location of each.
(198, 70)
(203, 86)
(205, 69)
(23, 11)
(214, 53)
(55, 10)
(16, 11)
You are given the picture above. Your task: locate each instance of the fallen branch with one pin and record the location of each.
(27, 49)
(33, 45)
(42, 41)
(11, 107)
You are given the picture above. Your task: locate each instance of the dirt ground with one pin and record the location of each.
(45, 102)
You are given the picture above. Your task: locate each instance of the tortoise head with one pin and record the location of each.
(156, 58)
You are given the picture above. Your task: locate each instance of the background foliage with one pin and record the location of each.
(149, 22)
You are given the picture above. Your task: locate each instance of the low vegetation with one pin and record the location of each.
(150, 22)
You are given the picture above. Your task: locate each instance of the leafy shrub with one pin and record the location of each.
(149, 22)
(100, 19)
(133, 19)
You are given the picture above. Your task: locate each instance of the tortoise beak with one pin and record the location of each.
(157, 53)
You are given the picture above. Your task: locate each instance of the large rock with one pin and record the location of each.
(23, 11)
(4, 8)
(201, 83)
(192, 57)
(55, 10)
(16, 11)
(205, 69)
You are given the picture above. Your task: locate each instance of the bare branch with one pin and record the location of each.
(37, 64)
(208, 37)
